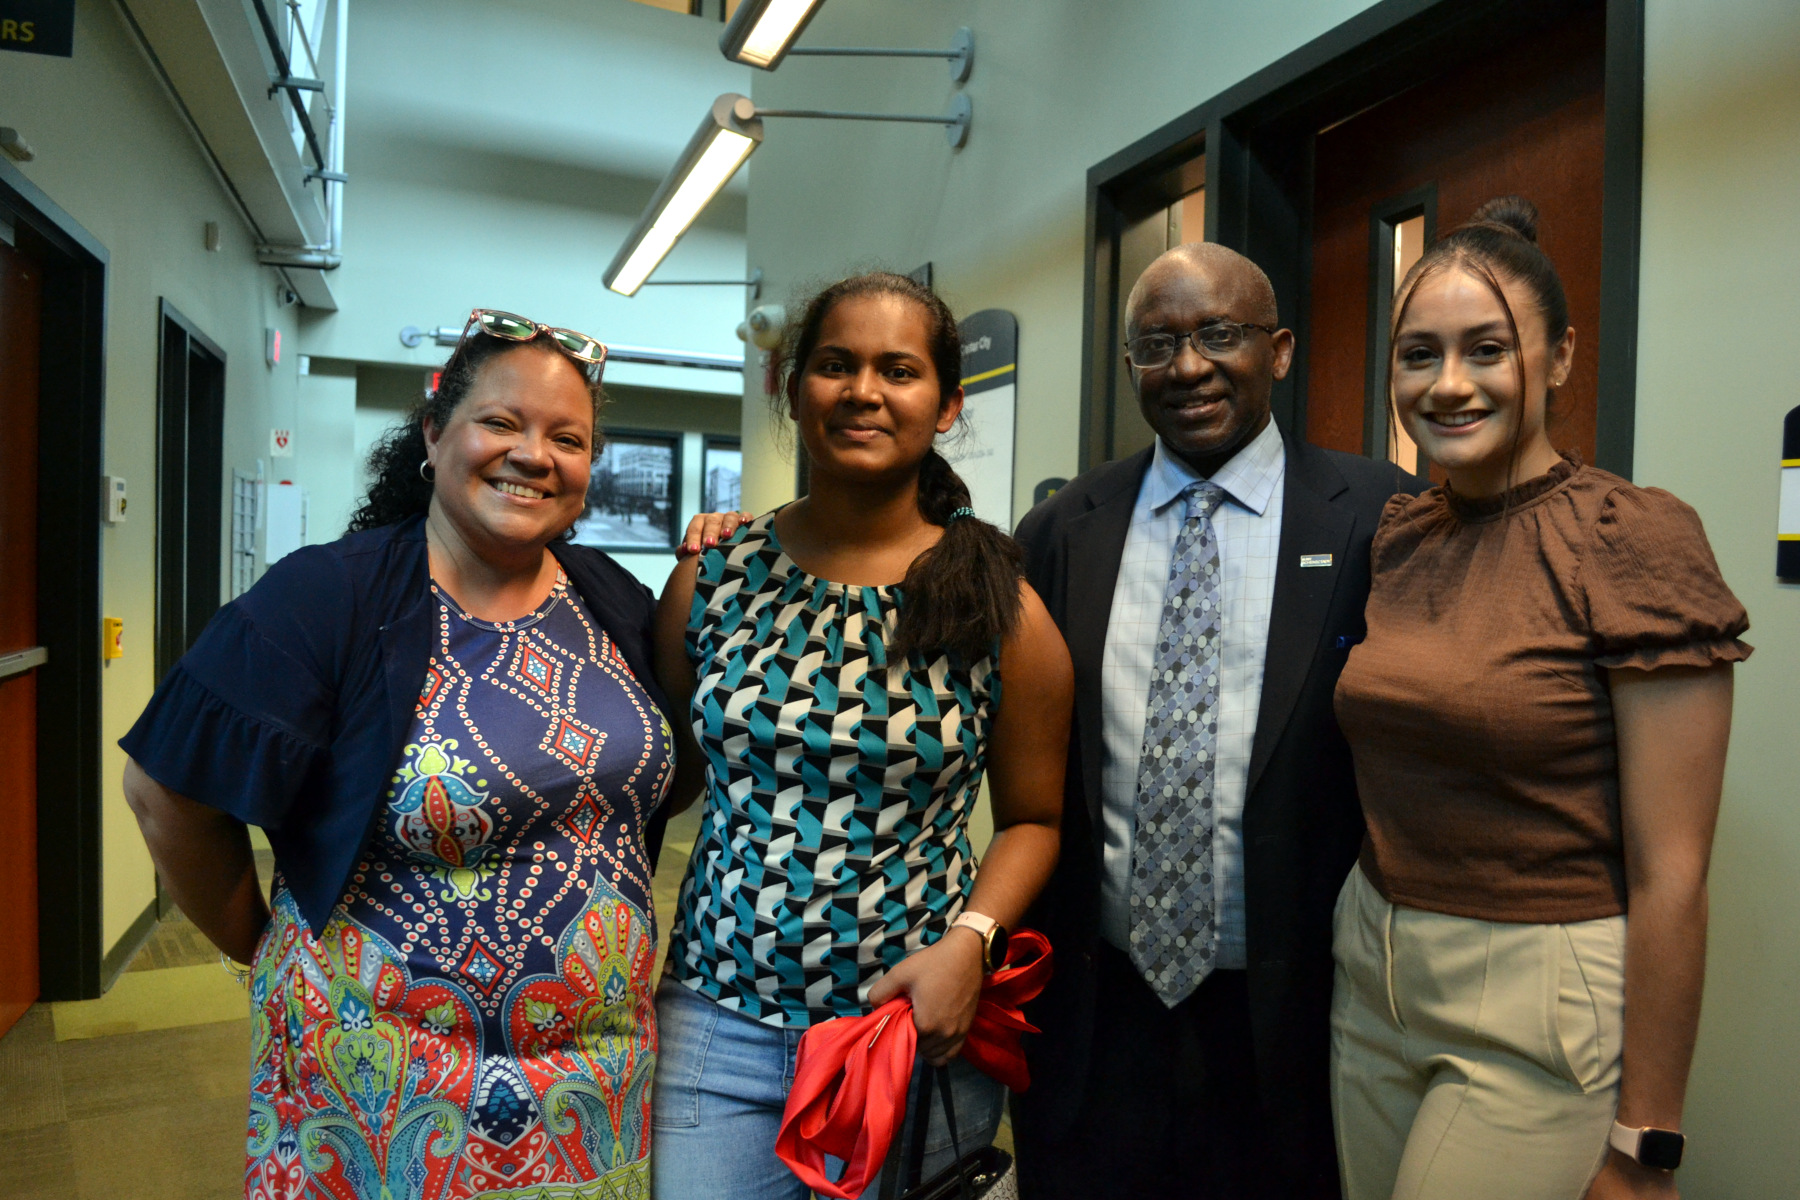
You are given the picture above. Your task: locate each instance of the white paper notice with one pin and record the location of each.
(285, 531)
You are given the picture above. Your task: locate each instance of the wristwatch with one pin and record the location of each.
(1657, 1148)
(993, 938)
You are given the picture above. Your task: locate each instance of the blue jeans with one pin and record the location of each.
(722, 1081)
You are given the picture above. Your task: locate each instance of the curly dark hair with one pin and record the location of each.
(962, 595)
(399, 489)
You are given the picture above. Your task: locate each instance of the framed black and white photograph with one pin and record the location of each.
(633, 490)
(722, 475)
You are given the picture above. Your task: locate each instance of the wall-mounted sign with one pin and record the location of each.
(1787, 518)
(984, 457)
(38, 26)
(281, 443)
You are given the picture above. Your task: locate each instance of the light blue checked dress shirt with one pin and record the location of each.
(1248, 526)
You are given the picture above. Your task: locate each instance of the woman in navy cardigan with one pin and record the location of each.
(447, 724)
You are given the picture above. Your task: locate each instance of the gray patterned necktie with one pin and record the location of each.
(1174, 921)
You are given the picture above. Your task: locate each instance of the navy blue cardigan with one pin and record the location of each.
(292, 708)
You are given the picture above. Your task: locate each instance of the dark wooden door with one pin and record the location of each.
(1525, 118)
(19, 653)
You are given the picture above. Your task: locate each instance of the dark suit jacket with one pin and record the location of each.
(1302, 822)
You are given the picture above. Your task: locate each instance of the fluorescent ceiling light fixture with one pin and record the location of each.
(732, 129)
(718, 148)
(761, 31)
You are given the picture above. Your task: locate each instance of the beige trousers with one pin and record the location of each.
(1472, 1060)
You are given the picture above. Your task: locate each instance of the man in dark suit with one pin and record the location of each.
(1209, 588)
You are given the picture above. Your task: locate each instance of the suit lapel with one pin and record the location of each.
(1096, 543)
(1310, 524)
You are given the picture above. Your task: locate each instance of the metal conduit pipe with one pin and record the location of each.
(298, 256)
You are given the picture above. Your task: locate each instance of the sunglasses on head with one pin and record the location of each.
(514, 328)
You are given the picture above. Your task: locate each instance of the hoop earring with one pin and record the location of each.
(424, 466)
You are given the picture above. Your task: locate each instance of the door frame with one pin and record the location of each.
(1258, 134)
(1384, 219)
(166, 651)
(71, 457)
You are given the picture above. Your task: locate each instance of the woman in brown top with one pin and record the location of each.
(1539, 716)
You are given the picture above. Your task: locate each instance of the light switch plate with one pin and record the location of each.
(114, 499)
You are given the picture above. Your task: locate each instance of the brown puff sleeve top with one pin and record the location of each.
(1477, 707)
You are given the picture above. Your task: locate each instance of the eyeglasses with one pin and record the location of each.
(1213, 340)
(514, 328)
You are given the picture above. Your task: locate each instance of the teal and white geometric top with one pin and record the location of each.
(834, 839)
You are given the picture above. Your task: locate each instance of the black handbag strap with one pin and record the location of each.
(897, 1179)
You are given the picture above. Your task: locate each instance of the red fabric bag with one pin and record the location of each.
(851, 1074)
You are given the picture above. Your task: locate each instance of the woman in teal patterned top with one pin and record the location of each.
(842, 659)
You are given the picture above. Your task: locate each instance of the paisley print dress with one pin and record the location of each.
(476, 1020)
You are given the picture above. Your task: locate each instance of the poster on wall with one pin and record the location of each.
(632, 492)
(722, 475)
(983, 454)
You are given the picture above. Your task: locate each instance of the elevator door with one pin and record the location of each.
(19, 651)
(1525, 118)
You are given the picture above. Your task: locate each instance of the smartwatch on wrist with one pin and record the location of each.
(993, 938)
(1656, 1148)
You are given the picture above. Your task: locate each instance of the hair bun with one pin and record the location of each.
(1509, 214)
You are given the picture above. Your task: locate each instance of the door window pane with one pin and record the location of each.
(1409, 247)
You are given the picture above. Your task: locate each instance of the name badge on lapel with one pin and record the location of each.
(1315, 560)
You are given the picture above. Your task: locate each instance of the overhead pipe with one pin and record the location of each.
(754, 283)
(309, 257)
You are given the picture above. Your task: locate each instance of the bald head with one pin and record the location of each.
(1205, 404)
(1240, 285)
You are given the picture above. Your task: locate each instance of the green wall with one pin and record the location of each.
(1721, 170)
(1003, 223)
(112, 153)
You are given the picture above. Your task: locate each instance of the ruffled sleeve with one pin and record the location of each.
(243, 723)
(1654, 592)
(1401, 512)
